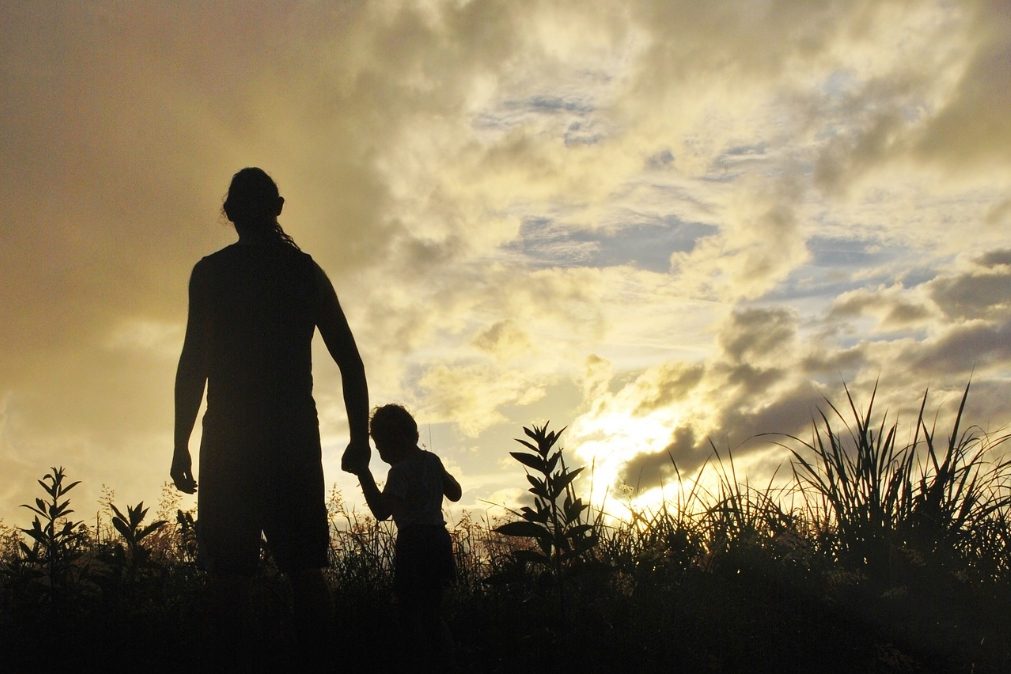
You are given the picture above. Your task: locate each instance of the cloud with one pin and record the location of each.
(971, 127)
(974, 295)
(684, 455)
(692, 214)
(760, 242)
(503, 339)
(998, 213)
(667, 385)
(471, 395)
(754, 334)
(996, 258)
(958, 351)
(894, 307)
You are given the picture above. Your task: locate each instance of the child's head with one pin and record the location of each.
(394, 431)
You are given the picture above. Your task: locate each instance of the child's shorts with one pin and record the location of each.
(424, 563)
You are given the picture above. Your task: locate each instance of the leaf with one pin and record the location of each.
(544, 543)
(523, 529)
(578, 531)
(531, 556)
(531, 515)
(527, 445)
(563, 480)
(539, 488)
(529, 460)
(49, 490)
(118, 513)
(552, 462)
(150, 529)
(574, 510)
(123, 529)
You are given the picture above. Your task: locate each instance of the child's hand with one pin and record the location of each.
(356, 458)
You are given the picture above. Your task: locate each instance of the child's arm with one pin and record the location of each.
(450, 487)
(377, 502)
(382, 503)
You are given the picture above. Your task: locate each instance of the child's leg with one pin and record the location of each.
(437, 636)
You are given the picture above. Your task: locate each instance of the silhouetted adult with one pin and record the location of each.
(253, 310)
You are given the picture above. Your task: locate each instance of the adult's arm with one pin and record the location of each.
(191, 377)
(333, 327)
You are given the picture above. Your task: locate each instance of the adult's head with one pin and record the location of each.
(253, 204)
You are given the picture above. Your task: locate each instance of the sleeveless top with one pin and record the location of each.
(258, 305)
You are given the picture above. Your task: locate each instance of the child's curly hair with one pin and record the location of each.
(393, 424)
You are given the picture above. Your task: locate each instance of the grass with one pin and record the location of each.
(877, 556)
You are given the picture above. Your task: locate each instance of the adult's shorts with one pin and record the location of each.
(270, 484)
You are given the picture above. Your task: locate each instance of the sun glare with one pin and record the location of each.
(606, 443)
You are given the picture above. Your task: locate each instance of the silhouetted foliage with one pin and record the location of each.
(875, 557)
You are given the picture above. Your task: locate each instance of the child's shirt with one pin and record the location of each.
(418, 482)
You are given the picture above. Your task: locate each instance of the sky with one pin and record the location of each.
(665, 225)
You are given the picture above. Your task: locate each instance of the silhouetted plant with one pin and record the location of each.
(187, 536)
(556, 523)
(129, 527)
(871, 500)
(736, 571)
(55, 539)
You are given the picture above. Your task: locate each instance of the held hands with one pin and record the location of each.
(356, 457)
(182, 471)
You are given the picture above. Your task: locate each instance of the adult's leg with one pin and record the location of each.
(313, 606)
(227, 622)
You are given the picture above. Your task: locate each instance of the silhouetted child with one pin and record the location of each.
(413, 493)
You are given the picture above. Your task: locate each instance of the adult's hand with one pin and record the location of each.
(356, 457)
(182, 471)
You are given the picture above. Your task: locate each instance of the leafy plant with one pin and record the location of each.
(129, 527)
(55, 539)
(186, 540)
(556, 523)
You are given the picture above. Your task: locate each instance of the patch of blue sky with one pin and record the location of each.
(582, 133)
(811, 289)
(834, 252)
(513, 112)
(661, 160)
(918, 276)
(646, 245)
(838, 84)
(551, 105)
(838, 265)
(734, 160)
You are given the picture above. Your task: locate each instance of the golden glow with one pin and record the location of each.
(607, 442)
(501, 194)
